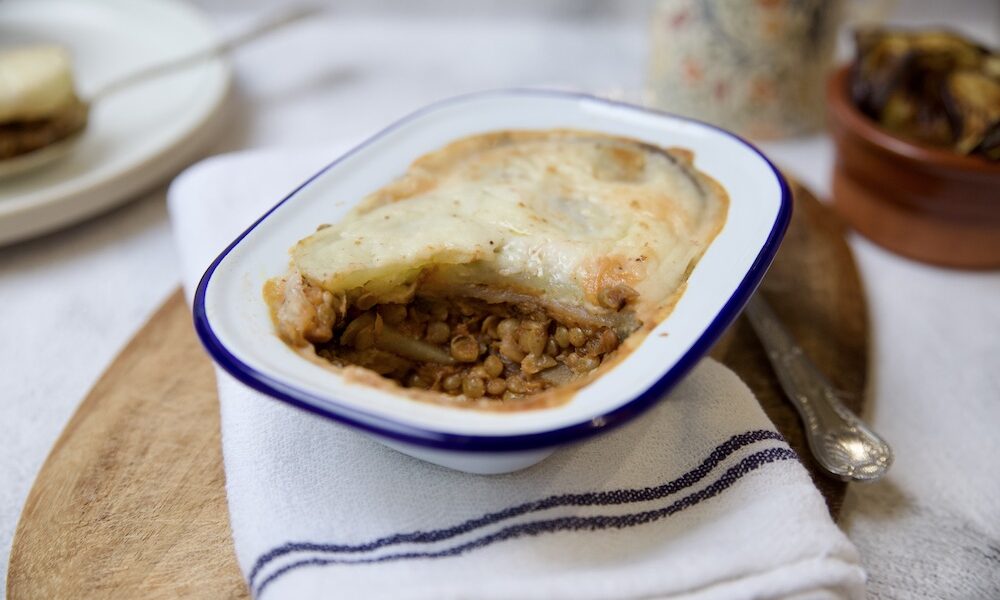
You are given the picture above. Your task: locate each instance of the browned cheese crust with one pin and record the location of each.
(504, 271)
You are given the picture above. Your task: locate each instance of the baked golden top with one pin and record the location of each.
(563, 216)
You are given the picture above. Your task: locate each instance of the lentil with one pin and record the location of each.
(392, 314)
(496, 387)
(452, 382)
(508, 327)
(473, 387)
(531, 337)
(561, 336)
(464, 348)
(438, 332)
(493, 366)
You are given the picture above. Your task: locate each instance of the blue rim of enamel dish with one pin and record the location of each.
(410, 434)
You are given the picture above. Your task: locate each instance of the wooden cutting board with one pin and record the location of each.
(131, 501)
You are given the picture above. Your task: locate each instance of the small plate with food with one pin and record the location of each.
(63, 158)
(498, 274)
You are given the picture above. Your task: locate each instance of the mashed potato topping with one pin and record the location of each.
(502, 265)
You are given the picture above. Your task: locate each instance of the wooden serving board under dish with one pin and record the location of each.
(131, 501)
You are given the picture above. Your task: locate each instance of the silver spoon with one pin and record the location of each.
(839, 440)
(48, 154)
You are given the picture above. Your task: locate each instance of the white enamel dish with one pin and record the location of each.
(234, 323)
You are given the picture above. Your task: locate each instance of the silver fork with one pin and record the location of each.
(839, 440)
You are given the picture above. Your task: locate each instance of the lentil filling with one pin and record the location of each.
(461, 346)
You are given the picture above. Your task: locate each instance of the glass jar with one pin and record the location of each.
(756, 67)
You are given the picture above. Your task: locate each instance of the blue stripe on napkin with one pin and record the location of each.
(538, 527)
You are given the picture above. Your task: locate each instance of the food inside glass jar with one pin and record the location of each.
(503, 271)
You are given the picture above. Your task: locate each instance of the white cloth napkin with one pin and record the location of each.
(698, 498)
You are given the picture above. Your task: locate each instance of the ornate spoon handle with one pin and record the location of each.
(839, 440)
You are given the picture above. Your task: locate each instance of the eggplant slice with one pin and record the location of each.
(935, 87)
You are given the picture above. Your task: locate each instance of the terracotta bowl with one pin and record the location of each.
(926, 203)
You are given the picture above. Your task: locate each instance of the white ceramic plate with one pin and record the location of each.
(136, 138)
(235, 325)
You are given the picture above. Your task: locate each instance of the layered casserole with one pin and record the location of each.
(502, 271)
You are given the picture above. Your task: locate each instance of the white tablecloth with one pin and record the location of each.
(71, 300)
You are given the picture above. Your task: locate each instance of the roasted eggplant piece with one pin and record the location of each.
(881, 67)
(972, 101)
(932, 86)
(990, 145)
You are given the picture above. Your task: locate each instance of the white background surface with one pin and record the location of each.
(69, 301)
